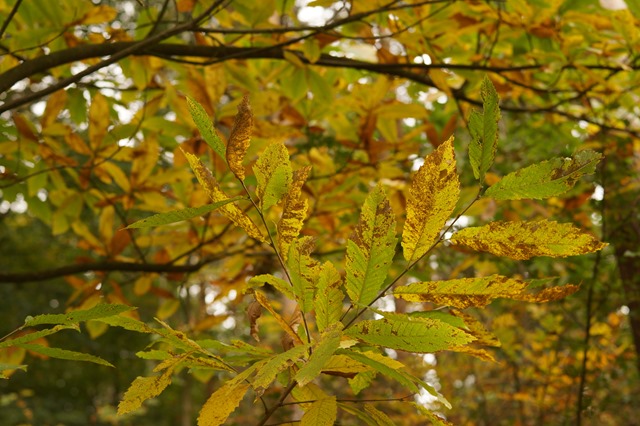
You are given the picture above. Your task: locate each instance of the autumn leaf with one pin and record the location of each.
(294, 211)
(371, 248)
(211, 187)
(545, 179)
(239, 138)
(484, 131)
(466, 292)
(273, 173)
(144, 388)
(303, 271)
(322, 412)
(226, 399)
(433, 195)
(275, 365)
(329, 297)
(524, 240)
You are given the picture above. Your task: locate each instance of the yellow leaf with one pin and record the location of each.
(262, 299)
(144, 388)
(98, 120)
(239, 138)
(294, 212)
(434, 192)
(216, 194)
(342, 365)
(224, 401)
(467, 292)
(274, 175)
(98, 15)
(322, 412)
(105, 227)
(524, 240)
(167, 308)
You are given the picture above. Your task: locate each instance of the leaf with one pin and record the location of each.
(35, 336)
(322, 412)
(99, 15)
(205, 126)
(431, 416)
(278, 283)
(328, 300)
(385, 365)
(63, 354)
(180, 215)
(545, 179)
(273, 173)
(524, 240)
(294, 211)
(99, 311)
(433, 196)
(328, 344)
(144, 388)
(262, 299)
(371, 248)
(128, 324)
(378, 416)
(466, 292)
(239, 138)
(302, 271)
(226, 399)
(275, 365)
(421, 335)
(484, 131)
(216, 194)
(343, 366)
(254, 311)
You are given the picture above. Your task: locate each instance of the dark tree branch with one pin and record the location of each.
(24, 277)
(7, 21)
(133, 48)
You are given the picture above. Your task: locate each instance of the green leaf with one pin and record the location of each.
(371, 248)
(278, 283)
(63, 354)
(322, 412)
(378, 416)
(466, 292)
(484, 131)
(274, 175)
(545, 179)
(127, 323)
(409, 334)
(328, 300)
(434, 192)
(302, 271)
(328, 344)
(205, 126)
(385, 365)
(99, 311)
(524, 240)
(180, 215)
(275, 365)
(36, 335)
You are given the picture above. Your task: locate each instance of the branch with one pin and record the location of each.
(115, 57)
(23, 277)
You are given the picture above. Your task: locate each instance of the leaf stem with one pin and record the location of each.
(275, 249)
(278, 404)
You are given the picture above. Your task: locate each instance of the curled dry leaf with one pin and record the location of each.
(254, 311)
(239, 138)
